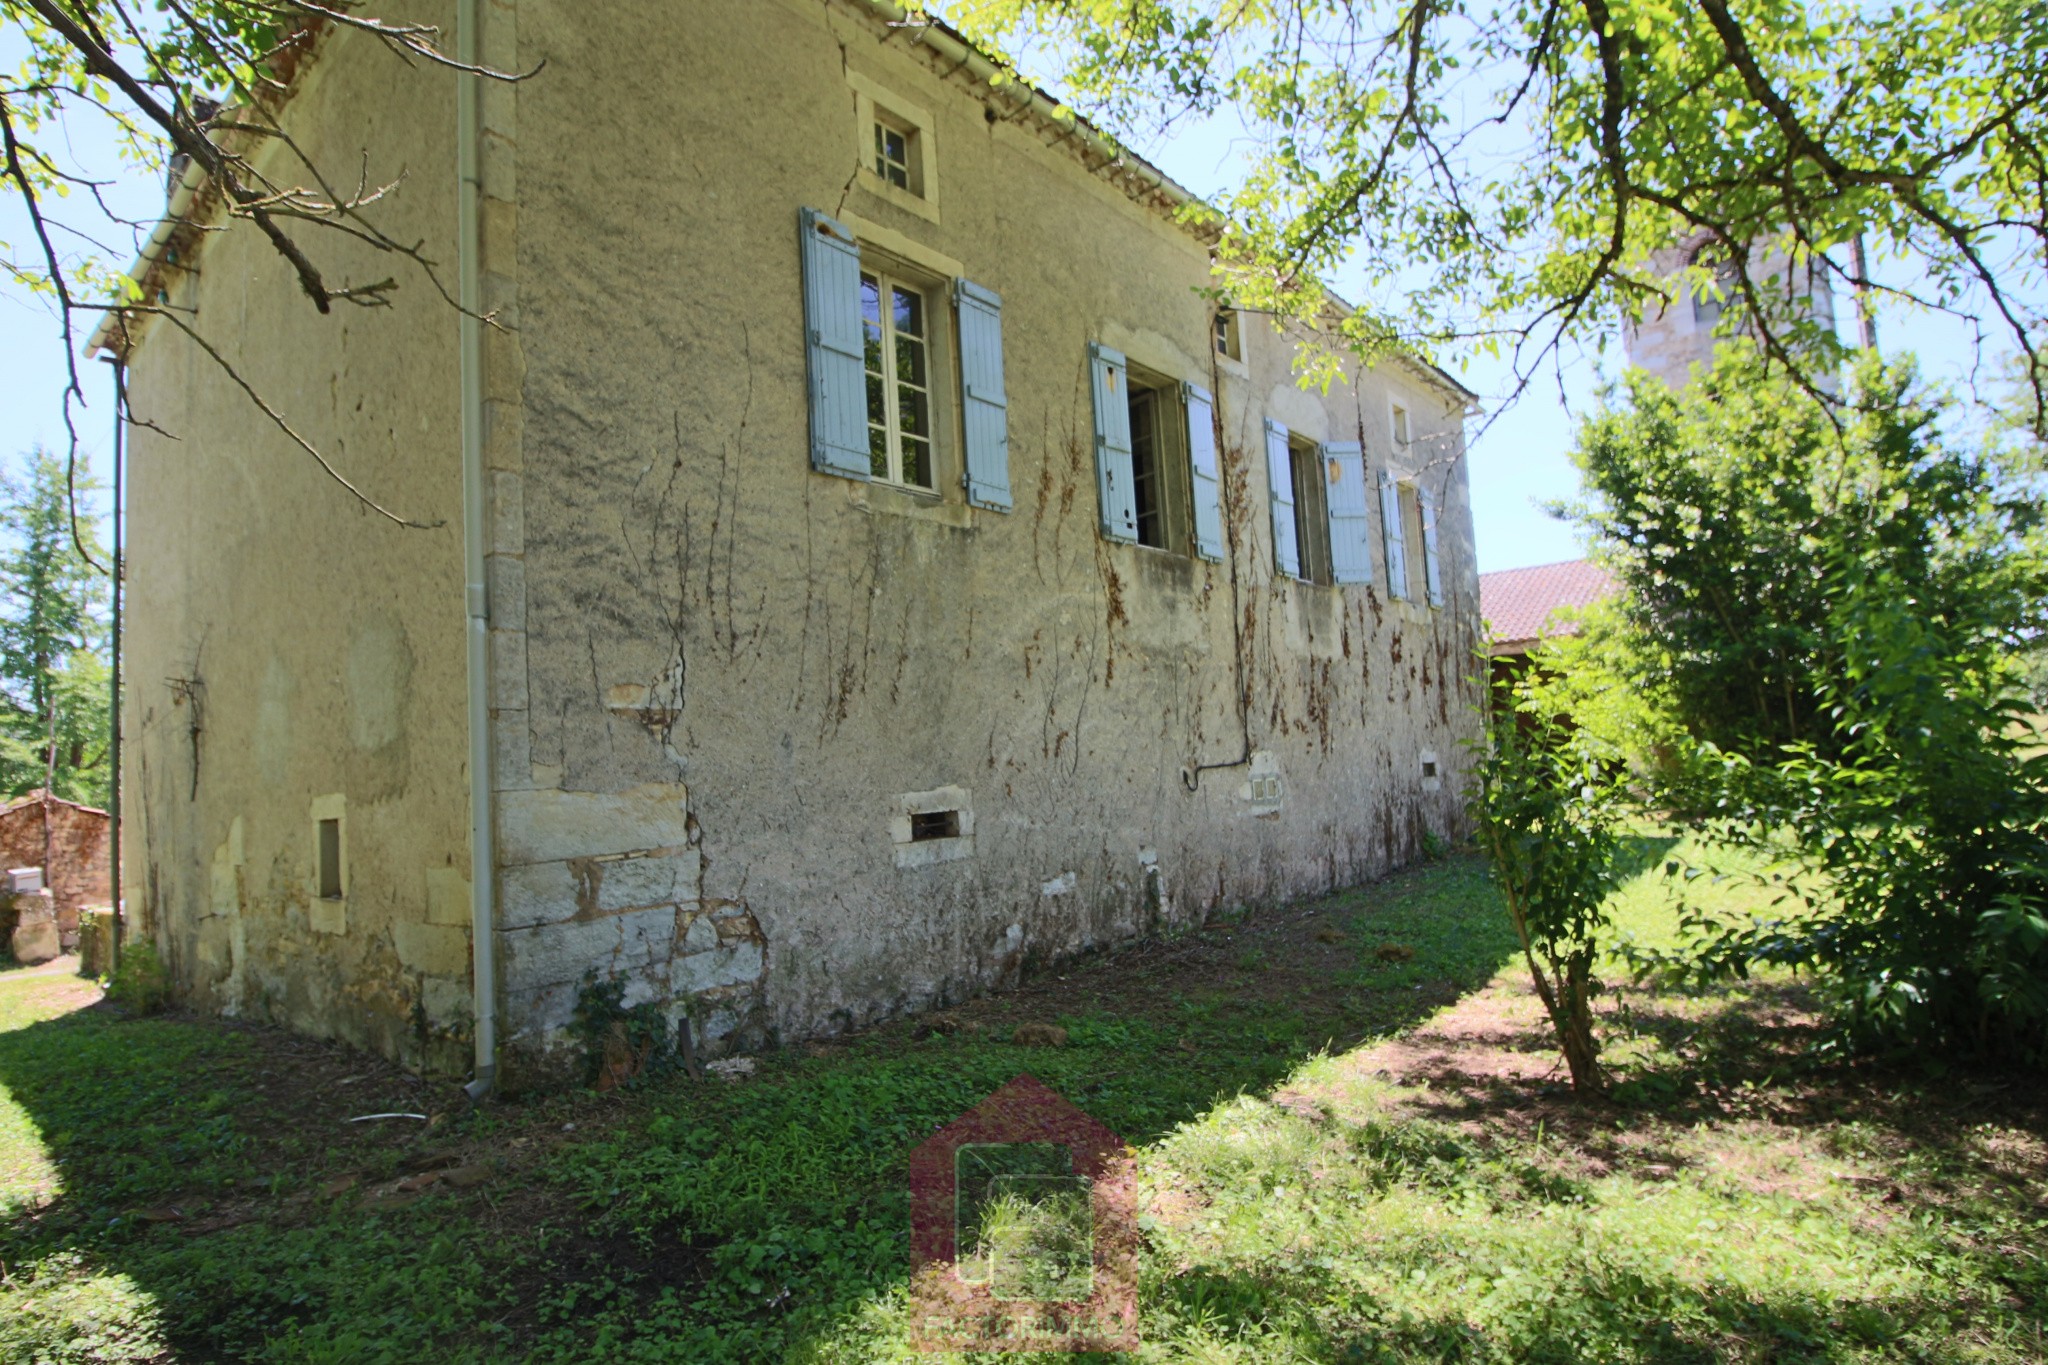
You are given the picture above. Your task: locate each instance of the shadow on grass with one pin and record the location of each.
(690, 1222)
(1642, 852)
(1589, 1313)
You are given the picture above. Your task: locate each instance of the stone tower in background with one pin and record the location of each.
(1671, 340)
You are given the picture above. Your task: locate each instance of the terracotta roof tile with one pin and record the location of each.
(1518, 602)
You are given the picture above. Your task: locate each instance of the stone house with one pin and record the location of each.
(862, 558)
(72, 854)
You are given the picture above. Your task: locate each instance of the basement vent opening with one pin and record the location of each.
(330, 860)
(934, 824)
(1429, 767)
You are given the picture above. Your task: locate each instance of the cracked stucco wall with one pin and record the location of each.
(724, 687)
(767, 663)
(289, 654)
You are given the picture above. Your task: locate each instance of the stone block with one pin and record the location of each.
(511, 751)
(549, 825)
(508, 514)
(508, 670)
(551, 954)
(506, 576)
(34, 942)
(628, 883)
(727, 966)
(536, 893)
(432, 949)
(702, 935)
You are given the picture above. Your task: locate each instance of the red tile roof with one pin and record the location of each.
(1518, 602)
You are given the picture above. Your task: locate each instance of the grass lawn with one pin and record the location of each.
(1350, 1143)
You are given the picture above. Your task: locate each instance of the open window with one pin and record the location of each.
(1155, 458)
(1158, 459)
(1295, 479)
(1311, 509)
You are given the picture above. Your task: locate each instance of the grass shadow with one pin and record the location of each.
(212, 1169)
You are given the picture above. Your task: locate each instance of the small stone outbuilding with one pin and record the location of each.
(78, 873)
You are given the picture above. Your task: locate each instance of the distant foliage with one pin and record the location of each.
(54, 639)
(1923, 836)
(1817, 653)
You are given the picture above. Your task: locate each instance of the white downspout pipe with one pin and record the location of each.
(483, 852)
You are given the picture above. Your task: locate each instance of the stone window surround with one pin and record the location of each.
(915, 853)
(874, 103)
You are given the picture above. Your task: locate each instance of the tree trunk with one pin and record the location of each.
(1569, 1004)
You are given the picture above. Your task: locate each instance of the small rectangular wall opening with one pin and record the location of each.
(330, 860)
(934, 824)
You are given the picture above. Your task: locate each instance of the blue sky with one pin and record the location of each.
(1517, 463)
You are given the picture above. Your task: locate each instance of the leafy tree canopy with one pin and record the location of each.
(1723, 509)
(1524, 172)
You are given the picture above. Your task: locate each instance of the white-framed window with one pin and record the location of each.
(1229, 341)
(895, 152)
(897, 352)
(1397, 418)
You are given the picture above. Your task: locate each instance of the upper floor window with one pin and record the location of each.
(893, 152)
(1152, 409)
(897, 354)
(1399, 419)
(1228, 341)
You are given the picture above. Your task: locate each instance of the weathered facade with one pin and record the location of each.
(803, 714)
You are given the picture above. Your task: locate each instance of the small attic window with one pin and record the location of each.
(895, 156)
(892, 153)
(1429, 767)
(1228, 342)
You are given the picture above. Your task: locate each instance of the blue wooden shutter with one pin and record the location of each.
(1431, 573)
(985, 407)
(1350, 513)
(834, 348)
(1208, 480)
(1280, 484)
(1397, 541)
(1113, 470)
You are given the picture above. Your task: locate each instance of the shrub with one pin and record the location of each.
(1923, 837)
(140, 984)
(1549, 819)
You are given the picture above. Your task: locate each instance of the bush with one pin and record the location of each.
(1549, 819)
(1923, 837)
(140, 984)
